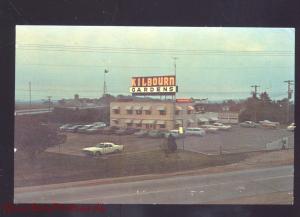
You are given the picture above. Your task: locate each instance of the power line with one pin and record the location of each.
(162, 67)
(144, 49)
(68, 48)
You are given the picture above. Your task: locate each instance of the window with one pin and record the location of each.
(129, 124)
(148, 112)
(189, 112)
(138, 112)
(162, 126)
(162, 112)
(138, 125)
(150, 126)
(129, 112)
(117, 111)
(177, 112)
(116, 121)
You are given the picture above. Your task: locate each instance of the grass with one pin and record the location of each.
(58, 168)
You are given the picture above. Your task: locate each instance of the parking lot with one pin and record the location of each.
(237, 139)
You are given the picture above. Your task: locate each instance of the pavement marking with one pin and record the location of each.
(171, 189)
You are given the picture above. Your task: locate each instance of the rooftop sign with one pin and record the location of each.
(154, 85)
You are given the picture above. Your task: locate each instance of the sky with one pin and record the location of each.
(215, 63)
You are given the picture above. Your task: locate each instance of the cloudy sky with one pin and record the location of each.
(217, 63)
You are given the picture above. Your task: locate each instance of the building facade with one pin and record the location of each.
(162, 115)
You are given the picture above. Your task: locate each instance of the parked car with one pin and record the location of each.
(103, 148)
(141, 133)
(94, 129)
(84, 128)
(73, 128)
(99, 124)
(291, 127)
(110, 130)
(174, 133)
(269, 124)
(249, 124)
(221, 126)
(65, 126)
(156, 134)
(126, 131)
(210, 128)
(195, 131)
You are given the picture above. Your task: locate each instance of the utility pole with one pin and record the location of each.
(104, 84)
(49, 103)
(175, 58)
(290, 91)
(255, 96)
(29, 94)
(255, 90)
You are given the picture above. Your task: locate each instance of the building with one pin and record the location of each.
(152, 114)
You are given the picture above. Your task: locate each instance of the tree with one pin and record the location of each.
(34, 137)
(169, 145)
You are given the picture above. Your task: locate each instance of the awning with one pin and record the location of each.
(178, 122)
(115, 107)
(178, 108)
(137, 121)
(160, 122)
(129, 107)
(190, 108)
(191, 121)
(137, 107)
(213, 119)
(147, 107)
(128, 121)
(161, 108)
(202, 119)
(148, 121)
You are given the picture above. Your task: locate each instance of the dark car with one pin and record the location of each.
(156, 134)
(126, 131)
(110, 130)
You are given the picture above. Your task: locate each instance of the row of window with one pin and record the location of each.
(147, 126)
(139, 112)
(148, 112)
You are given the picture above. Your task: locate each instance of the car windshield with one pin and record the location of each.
(101, 145)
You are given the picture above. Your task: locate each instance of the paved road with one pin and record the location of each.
(196, 189)
(46, 110)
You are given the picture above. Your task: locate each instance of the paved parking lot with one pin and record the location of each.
(238, 139)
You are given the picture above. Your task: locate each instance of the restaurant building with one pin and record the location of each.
(160, 114)
(152, 114)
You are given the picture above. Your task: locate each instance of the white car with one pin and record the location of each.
(210, 128)
(291, 127)
(103, 148)
(174, 133)
(269, 124)
(195, 131)
(99, 124)
(65, 126)
(221, 126)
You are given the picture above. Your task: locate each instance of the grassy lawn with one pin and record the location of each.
(57, 168)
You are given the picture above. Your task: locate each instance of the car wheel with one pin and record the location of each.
(97, 154)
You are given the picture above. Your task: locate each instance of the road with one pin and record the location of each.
(47, 110)
(191, 189)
